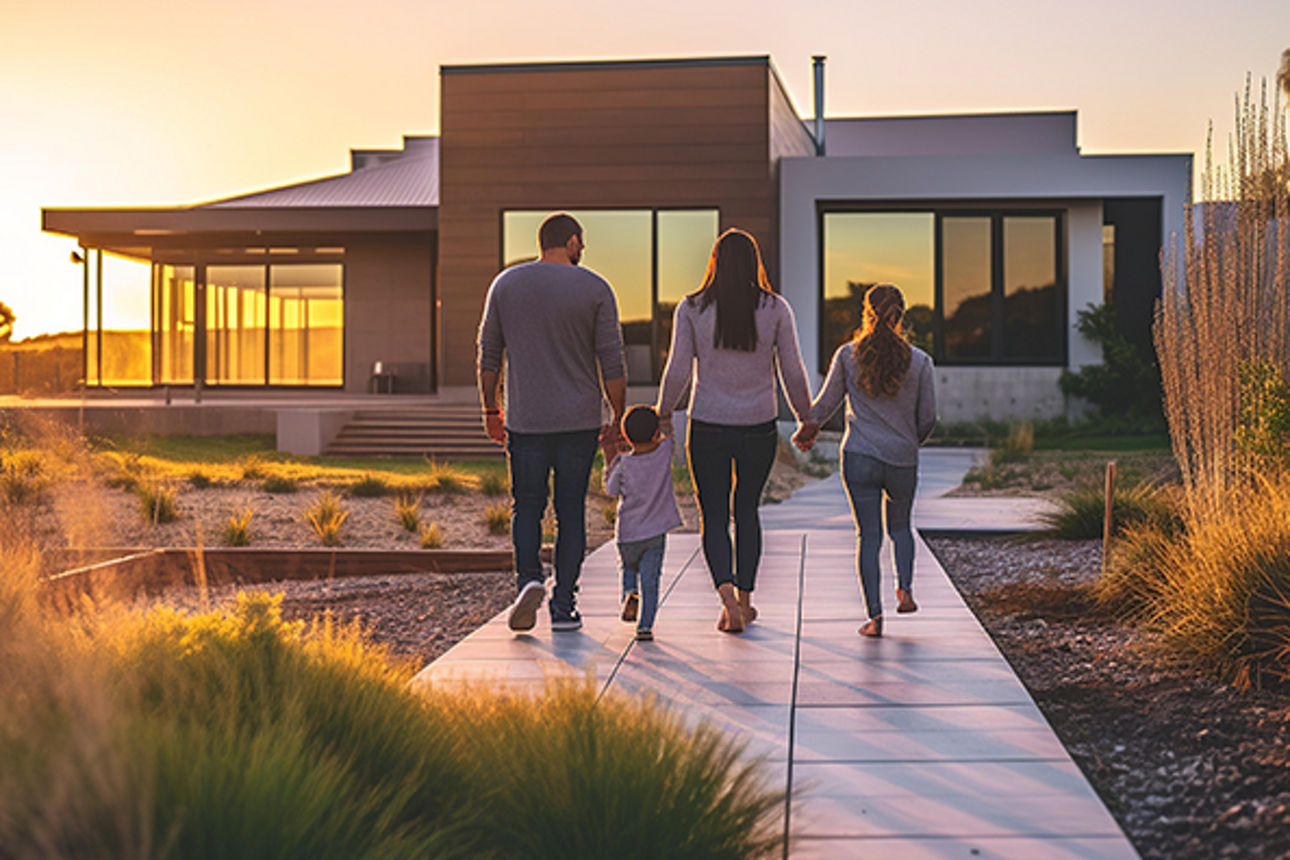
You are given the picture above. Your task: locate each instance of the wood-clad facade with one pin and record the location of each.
(624, 135)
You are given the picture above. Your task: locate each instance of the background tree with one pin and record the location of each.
(7, 317)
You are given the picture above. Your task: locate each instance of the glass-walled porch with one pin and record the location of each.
(245, 323)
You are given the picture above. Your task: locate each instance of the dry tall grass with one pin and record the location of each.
(1218, 594)
(1231, 306)
(1217, 589)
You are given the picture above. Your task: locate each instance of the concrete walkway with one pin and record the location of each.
(920, 744)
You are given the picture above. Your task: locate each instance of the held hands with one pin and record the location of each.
(611, 441)
(804, 438)
(665, 425)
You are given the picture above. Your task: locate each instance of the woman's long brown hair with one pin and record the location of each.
(736, 280)
(880, 350)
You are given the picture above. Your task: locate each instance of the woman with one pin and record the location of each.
(891, 409)
(730, 337)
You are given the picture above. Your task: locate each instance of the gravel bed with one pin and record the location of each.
(1190, 768)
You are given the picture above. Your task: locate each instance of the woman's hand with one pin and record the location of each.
(804, 438)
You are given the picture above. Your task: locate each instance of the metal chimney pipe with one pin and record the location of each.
(818, 63)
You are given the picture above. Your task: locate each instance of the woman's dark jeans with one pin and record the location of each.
(534, 457)
(716, 451)
(875, 488)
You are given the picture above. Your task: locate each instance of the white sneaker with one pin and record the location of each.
(524, 610)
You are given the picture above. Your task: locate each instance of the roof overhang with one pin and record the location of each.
(136, 231)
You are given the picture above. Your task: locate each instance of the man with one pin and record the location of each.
(557, 325)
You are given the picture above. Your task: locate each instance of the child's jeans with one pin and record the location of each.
(642, 565)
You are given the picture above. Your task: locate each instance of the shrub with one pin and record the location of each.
(268, 738)
(610, 512)
(1136, 576)
(22, 476)
(237, 529)
(251, 467)
(279, 484)
(431, 536)
(494, 484)
(198, 479)
(989, 476)
(596, 764)
(498, 519)
(122, 470)
(369, 486)
(1219, 593)
(325, 516)
(441, 478)
(237, 734)
(157, 502)
(407, 510)
(1127, 382)
(1080, 513)
(1017, 445)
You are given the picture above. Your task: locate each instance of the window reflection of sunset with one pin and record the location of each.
(618, 249)
(879, 247)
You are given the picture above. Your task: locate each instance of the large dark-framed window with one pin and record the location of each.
(983, 285)
(651, 256)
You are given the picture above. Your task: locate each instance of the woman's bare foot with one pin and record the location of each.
(746, 608)
(732, 617)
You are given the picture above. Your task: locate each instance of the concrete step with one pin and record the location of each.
(449, 431)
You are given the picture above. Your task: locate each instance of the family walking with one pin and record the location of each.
(553, 326)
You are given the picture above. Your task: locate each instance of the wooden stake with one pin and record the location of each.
(1109, 513)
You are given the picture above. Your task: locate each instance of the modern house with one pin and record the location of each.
(996, 226)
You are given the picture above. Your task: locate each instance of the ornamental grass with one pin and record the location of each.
(234, 733)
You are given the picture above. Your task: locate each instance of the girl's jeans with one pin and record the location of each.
(871, 482)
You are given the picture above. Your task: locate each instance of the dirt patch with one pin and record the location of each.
(1190, 768)
(1051, 473)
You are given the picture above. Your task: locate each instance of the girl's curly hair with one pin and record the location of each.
(880, 350)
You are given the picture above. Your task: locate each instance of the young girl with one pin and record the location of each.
(891, 409)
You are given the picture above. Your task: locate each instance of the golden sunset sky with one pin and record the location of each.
(145, 102)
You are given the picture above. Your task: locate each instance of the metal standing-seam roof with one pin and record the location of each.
(410, 179)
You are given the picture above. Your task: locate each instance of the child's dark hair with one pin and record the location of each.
(640, 423)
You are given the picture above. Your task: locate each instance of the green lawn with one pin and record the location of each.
(195, 451)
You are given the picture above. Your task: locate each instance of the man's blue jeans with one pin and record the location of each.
(534, 457)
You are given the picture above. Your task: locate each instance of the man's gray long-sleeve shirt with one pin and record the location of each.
(554, 323)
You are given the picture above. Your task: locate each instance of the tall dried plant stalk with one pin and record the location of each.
(1226, 302)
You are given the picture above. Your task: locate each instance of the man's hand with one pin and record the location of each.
(611, 437)
(804, 438)
(495, 426)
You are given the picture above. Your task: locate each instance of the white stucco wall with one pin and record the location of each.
(1069, 182)
(1045, 133)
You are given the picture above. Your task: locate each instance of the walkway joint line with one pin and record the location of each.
(792, 699)
(632, 643)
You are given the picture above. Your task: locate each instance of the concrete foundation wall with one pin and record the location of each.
(389, 304)
(998, 393)
(212, 419)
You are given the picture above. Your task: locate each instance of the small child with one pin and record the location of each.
(647, 510)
